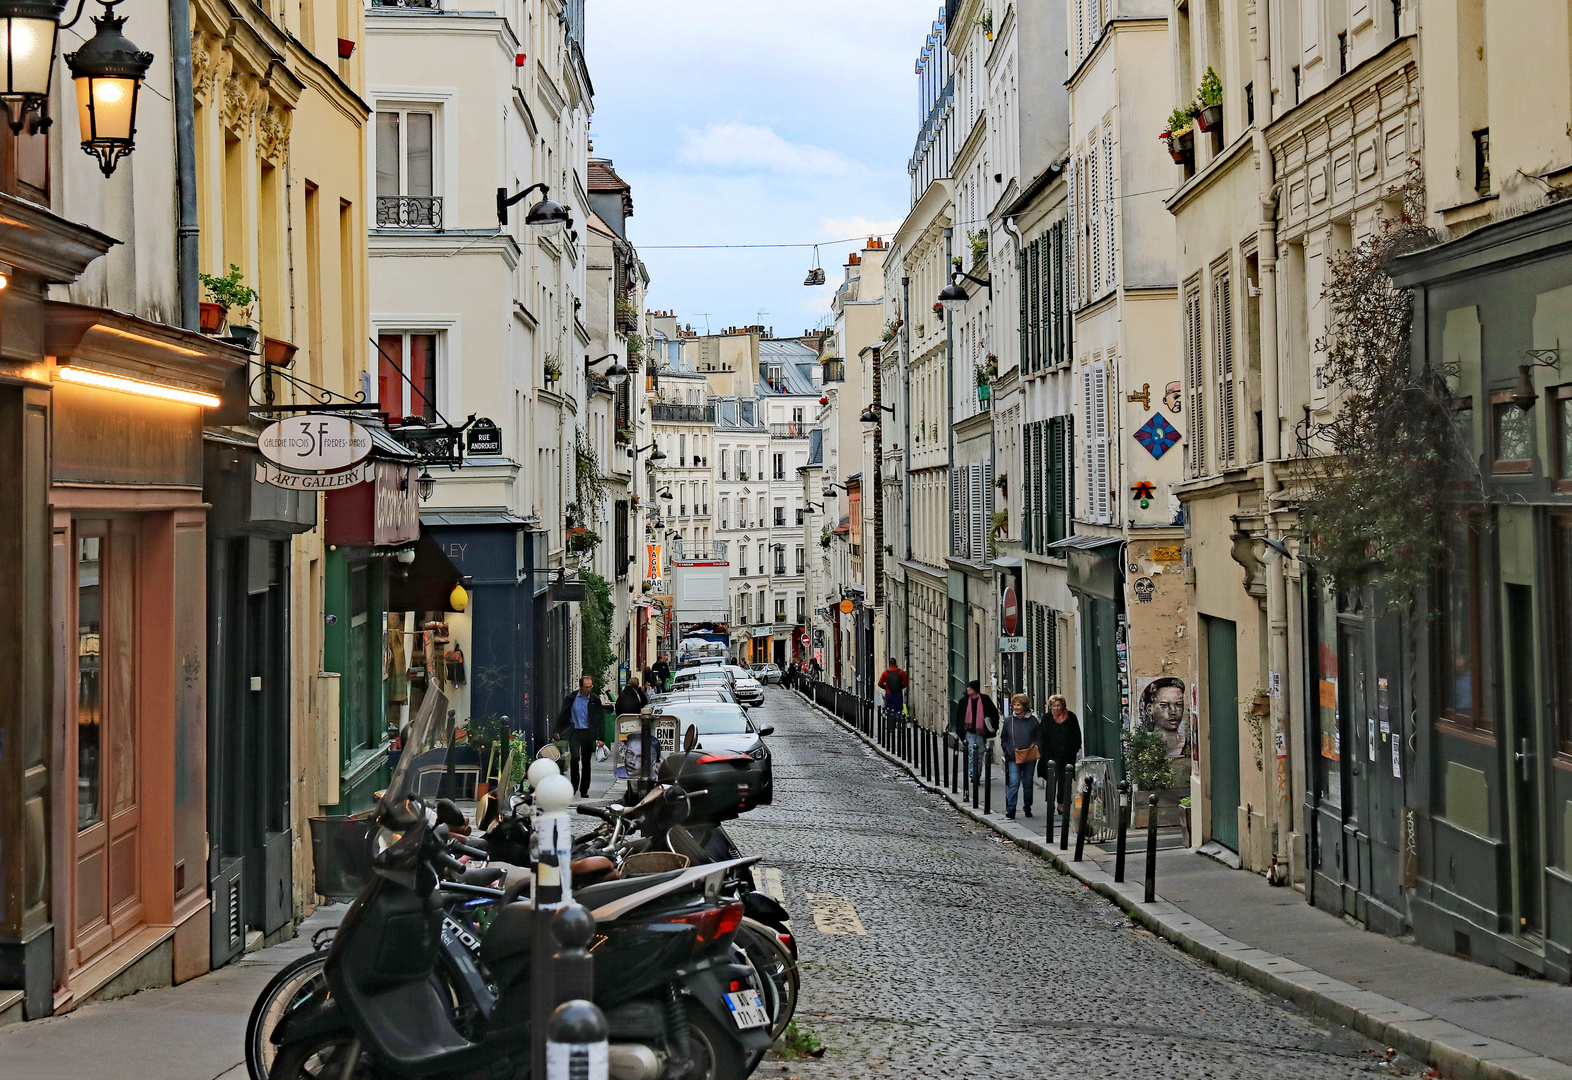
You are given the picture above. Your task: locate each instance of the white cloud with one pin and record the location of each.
(735, 145)
(839, 227)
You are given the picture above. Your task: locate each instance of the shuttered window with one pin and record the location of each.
(1094, 232)
(1073, 296)
(1098, 444)
(1108, 206)
(1223, 344)
(957, 511)
(1034, 259)
(1195, 379)
(1030, 482)
(1025, 319)
(1057, 460)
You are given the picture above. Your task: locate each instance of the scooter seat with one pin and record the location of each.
(488, 876)
(594, 896)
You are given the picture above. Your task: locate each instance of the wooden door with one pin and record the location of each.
(1222, 725)
(106, 886)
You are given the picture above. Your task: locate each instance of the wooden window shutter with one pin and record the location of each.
(1057, 477)
(1195, 377)
(977, 514)
(1050, 663)
(1025, 320)
(1028, 500)
(957, 510)
(1099, 440)
(1088, 428)
(1223, 342)
(1073, 291)
(1094, 246)
(1033, 277)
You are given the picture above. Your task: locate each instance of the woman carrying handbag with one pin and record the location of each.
(1019, 742)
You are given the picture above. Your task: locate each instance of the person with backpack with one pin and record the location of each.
(976, 719)
(1019, 742)
(893, 683)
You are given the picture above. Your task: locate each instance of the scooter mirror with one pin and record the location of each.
(673, 793)
(691, 739)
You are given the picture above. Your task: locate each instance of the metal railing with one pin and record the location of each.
(429, 5)
(795, 429)
(409, 211)
(687, 414)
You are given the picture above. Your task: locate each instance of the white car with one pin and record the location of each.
(749, 690)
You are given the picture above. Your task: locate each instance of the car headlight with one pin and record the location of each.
(759, 752)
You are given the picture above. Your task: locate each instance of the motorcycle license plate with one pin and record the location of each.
(747, 1010)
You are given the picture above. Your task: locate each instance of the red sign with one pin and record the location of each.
(383, 513)
(1012, 616)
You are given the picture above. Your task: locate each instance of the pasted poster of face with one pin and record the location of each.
(1163, 710)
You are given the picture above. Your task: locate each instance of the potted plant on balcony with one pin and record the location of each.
(1179, 136)
(231, 294)
(978, 242)
(624, 433)
(985, 20)
(985, 372)
(582, 539)
(938, 308)
(553, 369)
(278, 353)
(1210, 98)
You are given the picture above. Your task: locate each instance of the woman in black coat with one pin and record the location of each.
(632, 698)
(1060, 741)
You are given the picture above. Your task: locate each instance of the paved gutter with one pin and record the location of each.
(1456, 1051)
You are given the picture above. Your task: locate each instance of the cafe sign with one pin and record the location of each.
(315, 443)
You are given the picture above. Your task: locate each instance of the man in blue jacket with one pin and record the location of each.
(583, 718)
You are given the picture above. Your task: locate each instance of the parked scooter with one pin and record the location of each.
(677, 1001)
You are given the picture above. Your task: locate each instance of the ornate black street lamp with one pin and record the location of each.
(108, 71)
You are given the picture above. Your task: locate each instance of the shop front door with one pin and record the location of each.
(1527, 857)
(1222, 725)
(106, 886)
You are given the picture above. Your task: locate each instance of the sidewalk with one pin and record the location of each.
(1469, 1021)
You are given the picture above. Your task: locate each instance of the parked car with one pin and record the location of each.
(724, 730)
(709, 677)
(750, 691)
(699, 694)
(766, 673)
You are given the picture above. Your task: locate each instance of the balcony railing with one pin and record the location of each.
(780, 616)
(409, 211)
(794, 430)
(430, 5)
(683, 414)
(834, 371)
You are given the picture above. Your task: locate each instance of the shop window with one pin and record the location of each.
(407, 376)
(1561, 435)
(1561, 604)
(1460, 658)
(89, 680)
(1511, 435)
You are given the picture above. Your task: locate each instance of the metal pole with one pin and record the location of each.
(576, 1042)
(987, 777)
(1124, 824)
(553, 889)
(1066, 785)
(1080, 824)
(1151, 847)
(1051, 767)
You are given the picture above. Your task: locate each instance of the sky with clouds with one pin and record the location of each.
(755, 122)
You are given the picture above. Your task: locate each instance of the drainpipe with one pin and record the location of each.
(905, 368)
(187, 230)
(1271, 446)
(949, 416)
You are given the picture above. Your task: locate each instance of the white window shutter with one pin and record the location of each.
(1094, 245)
(1223, 342)
(1088, 441)
(1072, 257)
(1195, 375)
(1108, 204)
(1100, 441)
(957, 511)
(978, 547)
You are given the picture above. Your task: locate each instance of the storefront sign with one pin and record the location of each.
(314, 443)
(293, 481)
(383, 513)
(652, 562)
(483, 437)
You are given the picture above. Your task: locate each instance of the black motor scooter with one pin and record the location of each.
(679, 1004)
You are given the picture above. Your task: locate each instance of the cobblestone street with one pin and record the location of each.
(932, 948)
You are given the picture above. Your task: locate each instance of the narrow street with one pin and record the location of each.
(932, 948)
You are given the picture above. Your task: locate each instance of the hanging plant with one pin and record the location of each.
(589, 483)
(938, 308)
(1402, 463)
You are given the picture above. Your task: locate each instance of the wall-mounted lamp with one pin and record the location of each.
(108, 71)
(427, 484)
(105, 381)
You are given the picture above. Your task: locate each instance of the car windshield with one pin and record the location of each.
(710, 719)
(704, 675)
(426, 736)
(740, 672)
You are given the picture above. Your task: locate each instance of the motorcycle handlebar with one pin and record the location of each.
(464, 849)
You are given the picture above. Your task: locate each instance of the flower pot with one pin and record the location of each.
(346, 48)
(984, 391)
(244, 336)
(280, 353)
(211, 317)
(1186, 142)
(1184, 824)
(1210, 117)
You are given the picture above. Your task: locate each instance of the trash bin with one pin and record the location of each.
(341, 855)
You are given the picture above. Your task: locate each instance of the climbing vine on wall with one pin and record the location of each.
(1399, 455)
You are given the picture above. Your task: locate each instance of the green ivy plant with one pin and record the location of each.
(595, 646)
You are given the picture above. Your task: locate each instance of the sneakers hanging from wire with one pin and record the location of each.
(816, 274)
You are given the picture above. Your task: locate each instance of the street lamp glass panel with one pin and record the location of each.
(29, 52)
(108, 71)
(658, 455)
(547, 218)
(952, 296)
(107, 107)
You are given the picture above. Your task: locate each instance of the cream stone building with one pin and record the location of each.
(1280, 184)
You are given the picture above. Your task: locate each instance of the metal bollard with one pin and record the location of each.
(987, 777)
(1151, 847)
(576, 1043)
(1124, 824)
(1080, 824)
(552, 850)
(1066, 785)
(1051, 767)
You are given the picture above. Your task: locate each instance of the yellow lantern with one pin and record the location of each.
(108, 71)
(458, 600)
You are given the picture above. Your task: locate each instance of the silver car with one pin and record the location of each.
(766, 673)
(750, 691)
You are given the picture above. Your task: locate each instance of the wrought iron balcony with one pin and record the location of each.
(430, 5)
(682, 414)
(794, 430)
(409, 212)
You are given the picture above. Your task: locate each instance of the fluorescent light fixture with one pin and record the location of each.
(89, 377)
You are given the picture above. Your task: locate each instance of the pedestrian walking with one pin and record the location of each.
(647, 678)
(893, 682)
(793, 673)
(1018, 740)
(817, 670)
(632, 699)
(1059, 739)
(976, 718)
(583, 718)
(662, 673)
